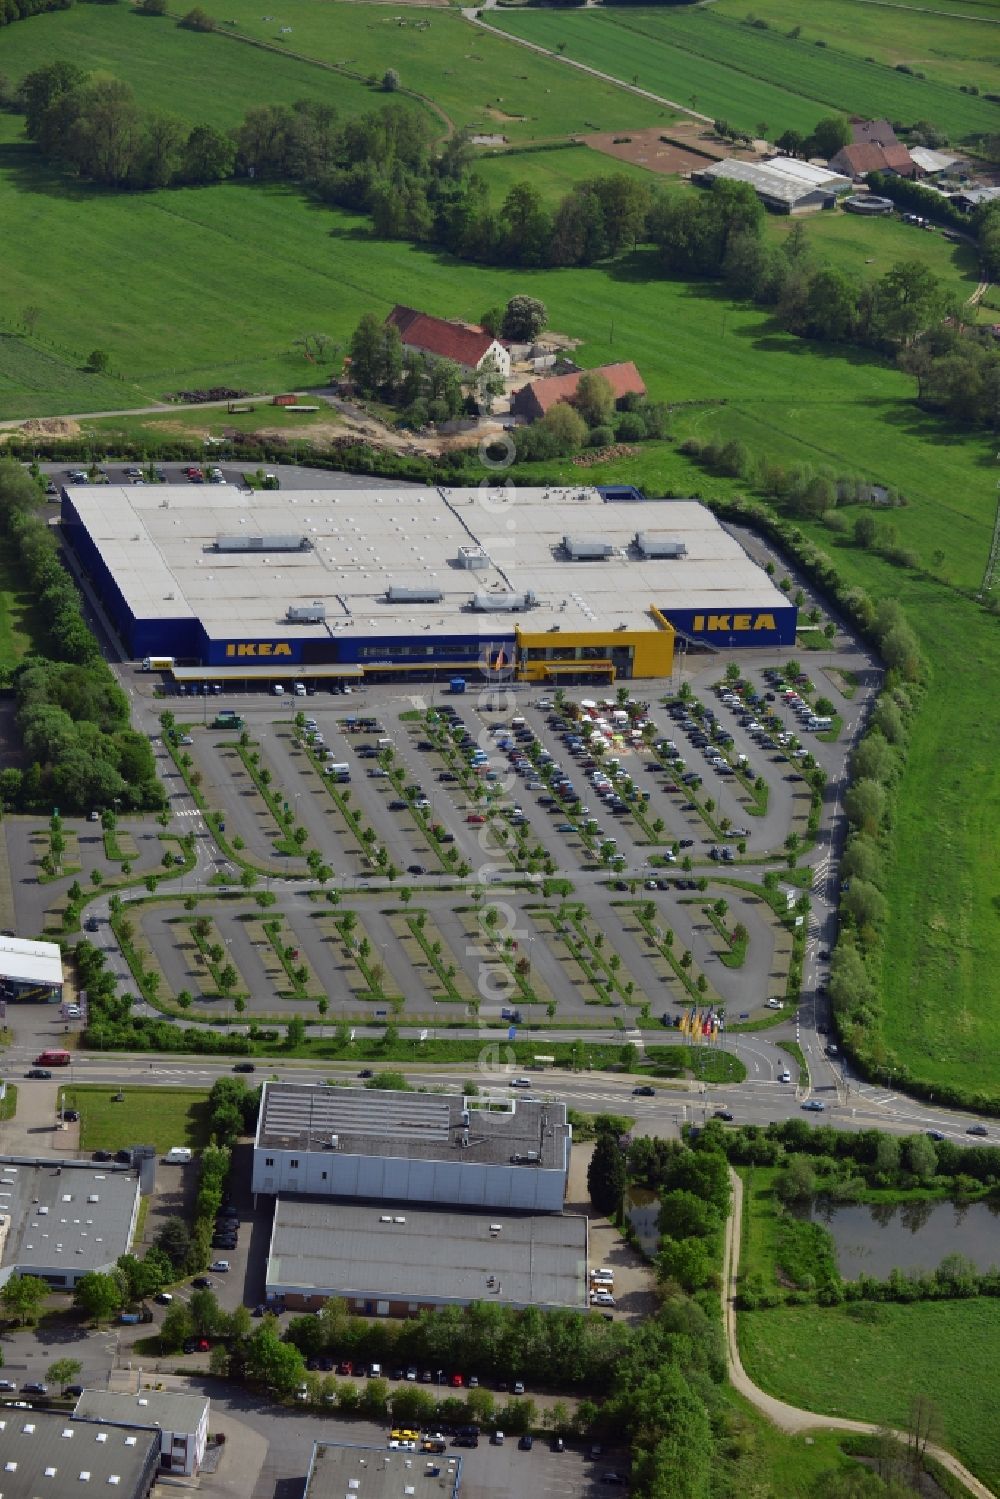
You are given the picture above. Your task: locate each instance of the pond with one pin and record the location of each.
(876, 1239)
(644, 1217)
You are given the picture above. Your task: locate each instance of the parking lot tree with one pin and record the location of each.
(99, 1296)
(22, 1298)
(143, 1277)
(206, 1313)
(295, 1032)
(865, 806)
(175, 1327)
(174, 1238)
(607, 1175)
(273, 1364)
(63, 1371)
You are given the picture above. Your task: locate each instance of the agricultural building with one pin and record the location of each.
(782, 184)
(414, 583)
(872, 133)
(439, 1148)
(870, 156)
(468, 347)
(394, 1260)
(539, 396)
(60, 1219)
(30, 970)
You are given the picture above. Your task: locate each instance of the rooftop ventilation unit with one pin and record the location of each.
(473, 559)
(263, 544)
(502, 602)
(306, 614)
(653, 544)
(587, 548)
(399, 595)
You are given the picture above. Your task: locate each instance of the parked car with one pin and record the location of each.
(222, 1266)
(33, 1388)
(163, 1297)
(202, 1283)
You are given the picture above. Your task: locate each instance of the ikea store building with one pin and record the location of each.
(545, 585)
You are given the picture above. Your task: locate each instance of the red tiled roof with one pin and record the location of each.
(871, 157)
(624, 380)
(435, 335)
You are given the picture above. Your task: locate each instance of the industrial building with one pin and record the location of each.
(180, 1420)
(414, 583)
(782, 184)
(30, 970)
(61, 1219)
(394, 1260)
(44, 1454)
(338, 1469)
(436, 1148)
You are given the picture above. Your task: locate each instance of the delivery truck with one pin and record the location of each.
(157, 663)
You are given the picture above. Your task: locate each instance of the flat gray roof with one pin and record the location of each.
(404, 1253)
(64, 1216)
(30, 962)
(170, 1410)
(339, 1471)
(413, 1126)
(45, 1455)
(158, 543)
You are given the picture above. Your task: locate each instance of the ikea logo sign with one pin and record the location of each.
(258, 648)
(732, 623)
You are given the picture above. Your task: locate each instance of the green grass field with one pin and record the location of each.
(948, 48)
(477, 80)
(19, 621)
(148, 1116)
(557, 171)
(728, 70)
(824, 1360)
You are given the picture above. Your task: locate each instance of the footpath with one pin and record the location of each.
(791, 1418)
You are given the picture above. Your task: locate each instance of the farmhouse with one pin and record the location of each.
(782, 184)
(468, 347)
(872, 133)
(859, 160)
(539, 396)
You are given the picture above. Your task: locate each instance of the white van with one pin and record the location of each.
(277, 690)
(177, 1155)
(384, 744)
(299, 689)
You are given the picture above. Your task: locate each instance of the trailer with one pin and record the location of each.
(158, 663)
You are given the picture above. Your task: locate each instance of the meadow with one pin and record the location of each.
(147, 1116)
(19, 621)
(829, 1361)
(472, 79)
(749, 77)
(952, 49)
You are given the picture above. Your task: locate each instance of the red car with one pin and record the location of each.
(476, 818)
(457, 1381)
(345, 1367)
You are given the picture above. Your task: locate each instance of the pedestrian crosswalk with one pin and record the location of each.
(187, 812)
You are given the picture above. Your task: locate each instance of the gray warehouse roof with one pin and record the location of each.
(404, 1253)
(413, 1126)
(159, 544)
(170, 1410)
(46, 1455)
(64, 1216)
(337, 1470)
(781, 180)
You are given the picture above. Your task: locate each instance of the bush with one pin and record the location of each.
(197, 20)
(630, 427)
(601, 437)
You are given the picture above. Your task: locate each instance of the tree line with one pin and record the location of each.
(73, 718)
